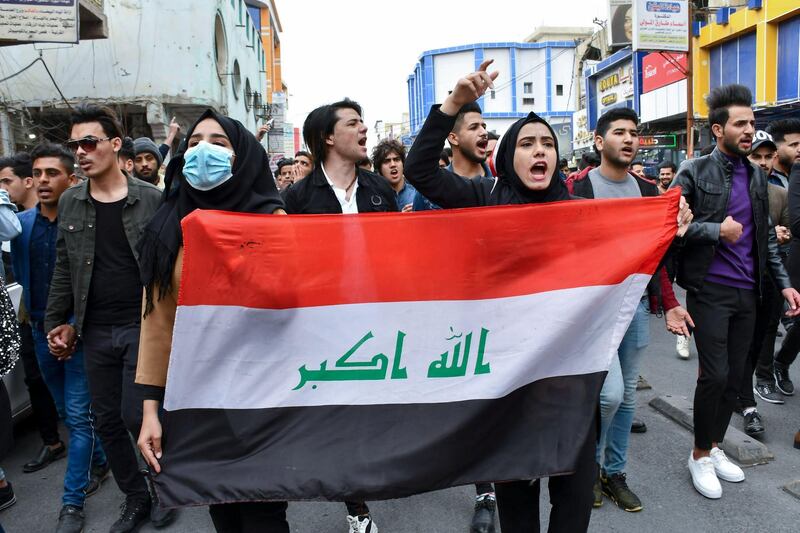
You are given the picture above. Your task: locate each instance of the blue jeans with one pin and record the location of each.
(70, 390)
(618, 396)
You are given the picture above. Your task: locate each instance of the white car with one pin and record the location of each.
(15, 381)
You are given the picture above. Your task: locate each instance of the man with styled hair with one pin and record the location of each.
(726, 250)
(96, 295)
(388, 159)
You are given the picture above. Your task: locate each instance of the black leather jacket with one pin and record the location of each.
(706, 184)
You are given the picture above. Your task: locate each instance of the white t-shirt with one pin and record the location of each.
(348, 206)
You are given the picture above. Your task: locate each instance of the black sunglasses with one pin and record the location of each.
(87, 144)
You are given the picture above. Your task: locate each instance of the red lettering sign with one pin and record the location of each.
(658, 71)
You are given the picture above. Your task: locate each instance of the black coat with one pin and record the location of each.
(706, 185)
(313, 195)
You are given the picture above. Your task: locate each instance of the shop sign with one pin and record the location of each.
(659, 71)
(657, 141)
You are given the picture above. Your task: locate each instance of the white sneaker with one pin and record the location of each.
(361, 524)
(703, 477)
(724, 468)
(682, 346)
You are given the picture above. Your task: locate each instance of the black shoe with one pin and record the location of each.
(483, 519)
(96, 478)
(7, 497)
(779, 333)
(753, 425)
(45, 457)
(70, 520)
(768, 392)
(597, 490)
(638, 426)
(615, 487)
(133, 514)
(782, 381)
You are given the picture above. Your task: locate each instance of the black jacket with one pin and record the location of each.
(794, 221)
(313, 195)
(442, 186)
(706, 184)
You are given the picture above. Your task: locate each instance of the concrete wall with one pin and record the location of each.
(157, 53)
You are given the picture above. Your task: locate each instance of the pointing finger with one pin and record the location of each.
(485, 65)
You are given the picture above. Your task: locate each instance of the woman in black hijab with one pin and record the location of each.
(219, 166)
(527, 173)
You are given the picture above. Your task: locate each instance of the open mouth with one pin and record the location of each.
(362, 142)
(627, 151)
(483, 143)
(393, 172)
(539, 170)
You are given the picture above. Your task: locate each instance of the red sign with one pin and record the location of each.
(660, 69)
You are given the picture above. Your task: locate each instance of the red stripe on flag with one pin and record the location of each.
(281, 262)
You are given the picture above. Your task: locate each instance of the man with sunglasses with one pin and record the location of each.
(96, 294)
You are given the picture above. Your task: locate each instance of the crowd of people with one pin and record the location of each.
(96, 243)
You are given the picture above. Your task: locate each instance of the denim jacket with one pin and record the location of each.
(75, 246)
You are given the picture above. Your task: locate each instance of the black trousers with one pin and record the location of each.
(762, 348)
(44, 410)
(571, 497)
(724, 319)
(790, 347)
(110, 355)
(256, 517)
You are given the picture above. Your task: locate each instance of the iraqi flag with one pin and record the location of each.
(363, 357)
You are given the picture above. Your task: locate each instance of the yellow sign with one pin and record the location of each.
(609, 82)
(609, 99)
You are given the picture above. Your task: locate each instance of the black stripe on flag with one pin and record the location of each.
(375, 452)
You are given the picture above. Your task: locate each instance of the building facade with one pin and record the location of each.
(757, 45)
(160, 60)
(533, 77)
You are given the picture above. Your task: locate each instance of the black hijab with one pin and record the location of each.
(251, 189)
(504, 164)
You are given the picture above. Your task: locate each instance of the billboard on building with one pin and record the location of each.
(50, 21)
(582, 137)
(660, 70)
(661, 25)
(615, 87)
(620, 18)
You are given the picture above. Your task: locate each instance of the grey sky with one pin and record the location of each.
(365, 49)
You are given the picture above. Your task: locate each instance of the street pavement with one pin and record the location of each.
(656, 472)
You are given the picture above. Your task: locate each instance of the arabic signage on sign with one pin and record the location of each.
(661, 25)
(659, 70)
(621, 16)
(582, 137)
(615, 86)
(51, 21)
(657, 141)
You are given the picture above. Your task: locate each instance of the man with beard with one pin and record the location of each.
(126, 155)
(666, 173)
(388, 157)
(786, 134)
(147, 161)
(616, 139)
(469, 141)
(726, 250)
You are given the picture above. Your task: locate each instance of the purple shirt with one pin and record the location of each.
(734, 264)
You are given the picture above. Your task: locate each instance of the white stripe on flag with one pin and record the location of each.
(226, 357)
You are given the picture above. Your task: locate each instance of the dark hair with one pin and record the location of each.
(471, 107)
(618, 22)
(637, 162)
(104, 115)
(319, 125)
(127, 151)
(723, 97)
(448, 151)
(612, 115)
(20, 163)
(494, 137)
(285, 162)
(780, 128)
(364, 162)
(47, 149)
(668, 164)
(589, 159)
(445, 156)
(383, 149)
(304, 154)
